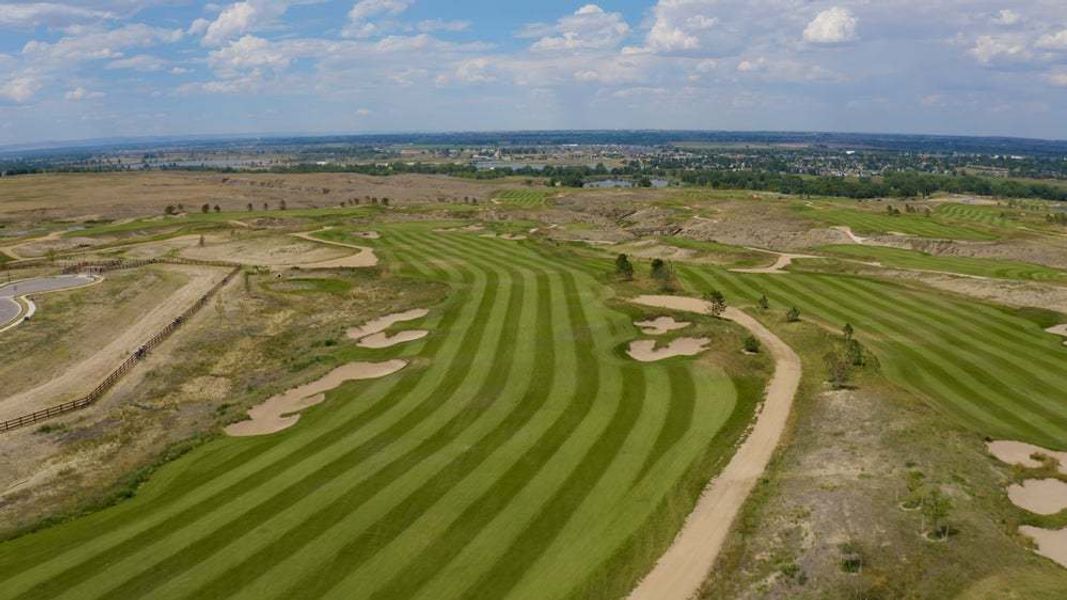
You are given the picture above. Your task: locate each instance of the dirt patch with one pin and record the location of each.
(1022, 454)
(368, 235)
(279, 412)
(363, 259)
(1051, 544)
(382, 323)
(646, 350)
(661, 325)
(384, 340)
(1040, 496)
(1000, 291)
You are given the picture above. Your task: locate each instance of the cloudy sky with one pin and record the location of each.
(74, 69)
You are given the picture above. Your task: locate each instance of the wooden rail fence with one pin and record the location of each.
(126, 365)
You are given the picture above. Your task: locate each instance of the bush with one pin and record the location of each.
(752, 345)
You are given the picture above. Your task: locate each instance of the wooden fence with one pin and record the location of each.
(124, 368)
(101, 266)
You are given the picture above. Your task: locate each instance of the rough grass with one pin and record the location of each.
(980, 267)
(519, 456)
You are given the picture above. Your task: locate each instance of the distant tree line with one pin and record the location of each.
(892, 185)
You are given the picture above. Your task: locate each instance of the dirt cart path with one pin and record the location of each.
(680, 572)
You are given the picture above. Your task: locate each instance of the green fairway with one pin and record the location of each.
(865, 222)
(519, 455)
(979, 267)
(526, 198)
(992, 369)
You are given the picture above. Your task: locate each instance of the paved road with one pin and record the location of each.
(9, 309)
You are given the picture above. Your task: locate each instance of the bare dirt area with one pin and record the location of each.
(118, 195)
(363, 258)
(1000, 291)
(265, 250)
(780, 264)
(282, 411)
(79, 378)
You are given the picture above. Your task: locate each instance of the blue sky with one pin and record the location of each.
(76, 69)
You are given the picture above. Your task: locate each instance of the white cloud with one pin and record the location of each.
(96, 44)
(360, 17)
(1053, 41)
(144, 63)
(832, 26)
(989, 49)
(1007, 17)
(248, 55)
(19, 89)
(241, 18)
(681, 25)
(47, 14)
(475, 70)
(79, 93)
(589, 28)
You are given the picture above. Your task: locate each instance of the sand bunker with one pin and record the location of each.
(1040, 496)
(1021, 453)
(852, 236)
(682, 303)
(382, 323)
(1060, 330)
(646, 351)
(279, 412)
(384, 340)
(661, 325)
(1051, 544)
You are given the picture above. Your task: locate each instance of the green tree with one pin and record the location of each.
(661, 271)
(717, 302)
(847, 331)
(763, 303)
(623, 267)
(206, 208)
(752, 345)
(855, 353)
(936, 508)
(793, 315)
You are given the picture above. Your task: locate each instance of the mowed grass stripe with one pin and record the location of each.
(543, 447)
(477, 468)
(972, 389)
(346, 500)
(901, 338)
(272, 468)
(421, 469)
